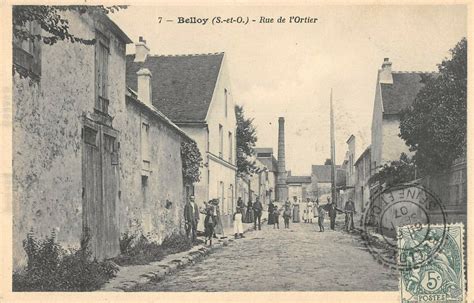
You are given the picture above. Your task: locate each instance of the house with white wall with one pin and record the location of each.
(194, 91)
(394, 92)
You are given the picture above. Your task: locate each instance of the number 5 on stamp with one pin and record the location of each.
(440, 277)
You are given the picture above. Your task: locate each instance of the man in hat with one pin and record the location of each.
(191, 217)
(257, 209)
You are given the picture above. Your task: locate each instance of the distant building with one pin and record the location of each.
(266, 157)
(362, 174)
(194, 91)
(321, 180)
(299, 188)
(346, 190)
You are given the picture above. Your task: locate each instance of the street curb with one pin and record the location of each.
(157, 271)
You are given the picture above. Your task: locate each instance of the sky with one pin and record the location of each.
(288, 70)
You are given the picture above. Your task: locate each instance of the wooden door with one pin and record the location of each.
(100, 190)
(110, 232)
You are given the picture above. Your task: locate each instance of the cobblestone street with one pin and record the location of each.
(295, 259)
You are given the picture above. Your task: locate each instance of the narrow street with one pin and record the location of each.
(296, 259)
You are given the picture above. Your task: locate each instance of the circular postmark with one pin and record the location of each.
(399, 225)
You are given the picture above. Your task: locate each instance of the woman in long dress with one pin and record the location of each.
(271, 208)
(296, 212)
(241, 206)
(218, 228)
(249, 213)
(310, 212)
(238, 226)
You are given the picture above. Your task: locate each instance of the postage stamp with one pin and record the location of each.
(441, 277)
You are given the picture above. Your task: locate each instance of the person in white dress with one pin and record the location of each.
(238, 226)
(310, 211)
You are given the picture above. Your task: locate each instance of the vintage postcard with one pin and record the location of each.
(254, 151)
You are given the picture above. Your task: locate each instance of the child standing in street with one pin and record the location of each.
(276, 217)
(321, 214)
(209, 225)
(238, 226)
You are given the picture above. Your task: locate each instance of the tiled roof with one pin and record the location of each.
(323, 172)
(182, 86)
(298, 179)
(131, 96)
(263, 150)
(402, 92)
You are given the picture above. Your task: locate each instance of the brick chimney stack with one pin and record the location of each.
(281, 186)
(385, 74)
(144, 85)
(141, 50)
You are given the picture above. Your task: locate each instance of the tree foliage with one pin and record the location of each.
(397, 172)
(435, 126)
(246, 139)
(50, 20)
(191, 162)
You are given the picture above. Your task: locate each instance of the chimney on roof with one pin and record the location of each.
(385, 74)
(141, 50)
(144, 85)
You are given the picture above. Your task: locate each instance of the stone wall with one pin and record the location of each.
(48, 150)
(47, 123)
(143, 203)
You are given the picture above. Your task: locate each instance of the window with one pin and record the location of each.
(230, 147)
(221, 140)
(145, 148)
(144, 190)
(27, 52)
(225, 101)
(102, 72)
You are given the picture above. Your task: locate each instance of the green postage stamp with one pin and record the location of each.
(433, 259)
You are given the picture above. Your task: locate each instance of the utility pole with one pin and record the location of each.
(333, 154)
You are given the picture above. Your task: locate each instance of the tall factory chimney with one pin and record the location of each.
(281, 186)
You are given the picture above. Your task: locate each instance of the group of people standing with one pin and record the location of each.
(212, 221)
(252, 213)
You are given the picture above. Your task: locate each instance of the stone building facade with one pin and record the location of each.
(78, 145)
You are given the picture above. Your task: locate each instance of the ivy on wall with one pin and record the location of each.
(191, 161)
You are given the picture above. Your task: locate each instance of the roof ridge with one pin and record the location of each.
(185, 55)
(414, 72)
